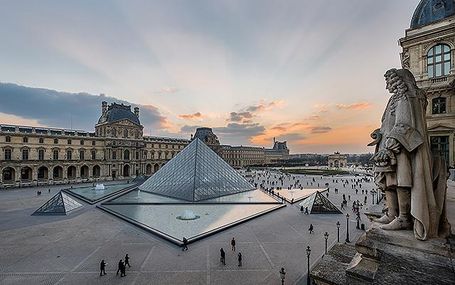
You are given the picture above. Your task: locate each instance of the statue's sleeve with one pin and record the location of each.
(404, 130)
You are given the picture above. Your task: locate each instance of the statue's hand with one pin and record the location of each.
(393, 145)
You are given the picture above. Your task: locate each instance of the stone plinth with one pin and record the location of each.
(388, 257)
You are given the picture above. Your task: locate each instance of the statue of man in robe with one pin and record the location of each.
(414, 182)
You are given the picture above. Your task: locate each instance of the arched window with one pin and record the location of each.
(438, 105)
(438, 61)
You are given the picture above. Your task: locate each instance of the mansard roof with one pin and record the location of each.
(430, 11)
(117, 112)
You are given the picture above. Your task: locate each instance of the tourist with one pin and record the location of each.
(223, 256)
(123, 270)
(49, 190)
(127, 261)
(306, 211)
(103, 268)
(120, 266)
(310, 229)
(239, 258)
(185, 244)
(301, 209)
(233, 244)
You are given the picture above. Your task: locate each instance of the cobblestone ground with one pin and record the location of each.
(67, 250)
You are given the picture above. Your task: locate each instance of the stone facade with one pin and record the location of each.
(116, 150)
(428, 51)
(337, 160)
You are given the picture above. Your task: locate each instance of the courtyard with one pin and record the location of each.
(68, 249)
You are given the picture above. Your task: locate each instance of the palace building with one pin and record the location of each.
(116, 150)
(428, 51)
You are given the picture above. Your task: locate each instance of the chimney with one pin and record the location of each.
(103, 107)
(136, 111)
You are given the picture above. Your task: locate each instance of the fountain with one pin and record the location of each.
(100, 187)
(188, 215)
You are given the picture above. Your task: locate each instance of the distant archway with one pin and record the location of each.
(57, 173)
(148, 169)
(43, 173)
(126, 170)
(8, 175)
(156, 167)
(96, 171)
(71, 172)
(84, 171)
(26, 173)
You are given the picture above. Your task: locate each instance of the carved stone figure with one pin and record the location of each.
(414, 182)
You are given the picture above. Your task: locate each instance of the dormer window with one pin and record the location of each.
(438, 61)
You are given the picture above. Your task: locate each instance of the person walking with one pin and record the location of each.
(223, 256)
(120, 266)
(127, 260)
(103, 268)
(310, 229)
(239, 258)
(233, 244)
(301, 209)
(123, 270)
(185, 244)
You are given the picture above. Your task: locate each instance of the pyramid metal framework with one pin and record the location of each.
(318, 204)
(60, 204)
(196, 173)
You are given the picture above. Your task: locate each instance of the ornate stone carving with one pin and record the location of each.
(414, 182)
(405, 59)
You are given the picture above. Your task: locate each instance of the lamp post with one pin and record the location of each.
(308, 252)
(338, 231)
(372, 196)
(326, 236)
(347, 228)
(282, 275)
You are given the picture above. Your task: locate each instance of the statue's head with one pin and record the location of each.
(399, 81)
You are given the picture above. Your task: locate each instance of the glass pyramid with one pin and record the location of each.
(196, 173)
(60, 204)
(318, 204)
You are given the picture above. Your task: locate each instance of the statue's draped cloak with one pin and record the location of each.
(404, 120)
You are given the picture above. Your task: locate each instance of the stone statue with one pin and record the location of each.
(414, 182)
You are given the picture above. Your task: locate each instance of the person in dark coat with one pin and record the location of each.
(233, 244)
(310, 229)
(223, 256)
(127, 261)
(239, 258)
(120, 266)
(103, 268)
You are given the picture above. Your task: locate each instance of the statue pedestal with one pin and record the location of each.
(388, 257)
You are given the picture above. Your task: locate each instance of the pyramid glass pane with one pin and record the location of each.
(59, 204)
(196, 173)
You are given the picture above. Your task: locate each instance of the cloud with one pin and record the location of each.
(166, 90)
(188, 129)
(354, 106)
(240, 116)
(194, 116)
(63, 110)
(320, 130)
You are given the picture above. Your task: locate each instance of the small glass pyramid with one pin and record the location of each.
(318, 204)
(60, 204)
(196, 173)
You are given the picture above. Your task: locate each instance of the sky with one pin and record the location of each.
(308, 72)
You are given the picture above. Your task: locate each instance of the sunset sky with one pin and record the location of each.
(309, 72)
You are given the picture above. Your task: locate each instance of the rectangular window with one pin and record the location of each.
(93, 154)
(8, 139)
(41, 154)
(81, 155)
(7, 154)
(69, 141)
(93, 142)
(440, 146)
(114, 154)
(69, 155)
(55, 155)
(25, 154)
(82, 142)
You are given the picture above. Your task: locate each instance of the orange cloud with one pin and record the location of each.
(194, 116)
(354, 106)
